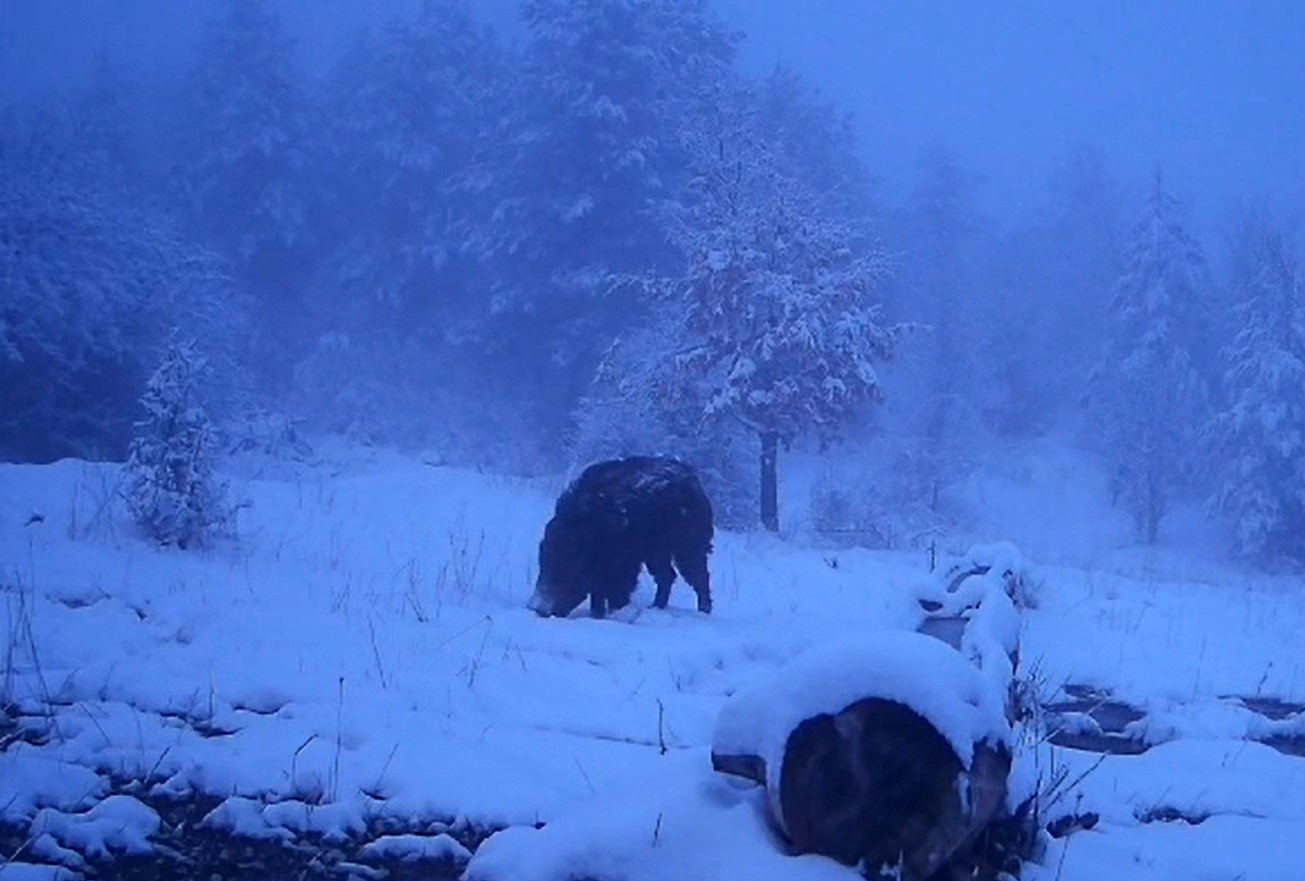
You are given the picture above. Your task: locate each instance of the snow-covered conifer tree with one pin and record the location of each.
(781, 324)
(1050, 281)
(415, 142)
(1260, 435)
(604, 87)
(171, 489)
(607, 84)
(936, 290)
(244, 152)
(91, 278)
(416, 149)
(1150, 391)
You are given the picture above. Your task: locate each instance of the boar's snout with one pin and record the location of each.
(540, 603)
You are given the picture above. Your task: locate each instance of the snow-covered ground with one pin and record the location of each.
(362, 651)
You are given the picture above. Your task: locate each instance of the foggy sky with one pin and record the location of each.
(1213, 91)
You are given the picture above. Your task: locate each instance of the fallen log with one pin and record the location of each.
(892, 753)
(877, 785)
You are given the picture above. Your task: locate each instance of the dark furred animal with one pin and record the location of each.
(616, 518)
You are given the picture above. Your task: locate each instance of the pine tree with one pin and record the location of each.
(1052, 279)
(415, 147)
(91, 277)
(604, 87)
(1150, 391)
(780, 319)
(936, 292)
(608, 82)
(1260, 435)
(244, 158)
(1081, 258)
(417, 143)
(172, 491)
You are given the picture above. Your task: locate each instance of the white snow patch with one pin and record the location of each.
(677, 820)
(119, 823)
(29, 779)
(20, 871)
(410, 848)
(244, 817)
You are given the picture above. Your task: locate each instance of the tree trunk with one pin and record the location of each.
(770, 480)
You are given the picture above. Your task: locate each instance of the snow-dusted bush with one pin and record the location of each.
(171, 490)
(885, 500)
(847, 508)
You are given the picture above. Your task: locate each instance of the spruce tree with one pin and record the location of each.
(245, 161)
(940, 223)
(172, 491)
(1260, 434)
(91, 278)
(1150, 390)
(781, 325)
(605, 84)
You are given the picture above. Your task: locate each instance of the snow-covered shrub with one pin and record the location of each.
(171, 490)
(847, 508)
(885, 500)
(265, 433)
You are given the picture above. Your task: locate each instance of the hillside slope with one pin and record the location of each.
(361, 659)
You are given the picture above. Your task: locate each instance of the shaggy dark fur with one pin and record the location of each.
(616, 518)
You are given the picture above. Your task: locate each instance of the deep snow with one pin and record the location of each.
(363, 650)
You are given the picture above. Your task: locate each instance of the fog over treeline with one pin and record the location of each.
(530, 235)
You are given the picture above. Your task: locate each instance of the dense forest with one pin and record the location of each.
(604, 235)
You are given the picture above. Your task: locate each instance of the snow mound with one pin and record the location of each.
(14, 871)
(679, 820)
(119, 823)
(244, 817)
(29, 780)
(410, 848)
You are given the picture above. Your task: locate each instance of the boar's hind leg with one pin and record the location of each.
(693, 566)
(623, 584)
(664, 574)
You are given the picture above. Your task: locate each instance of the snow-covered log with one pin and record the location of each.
(892, 752)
